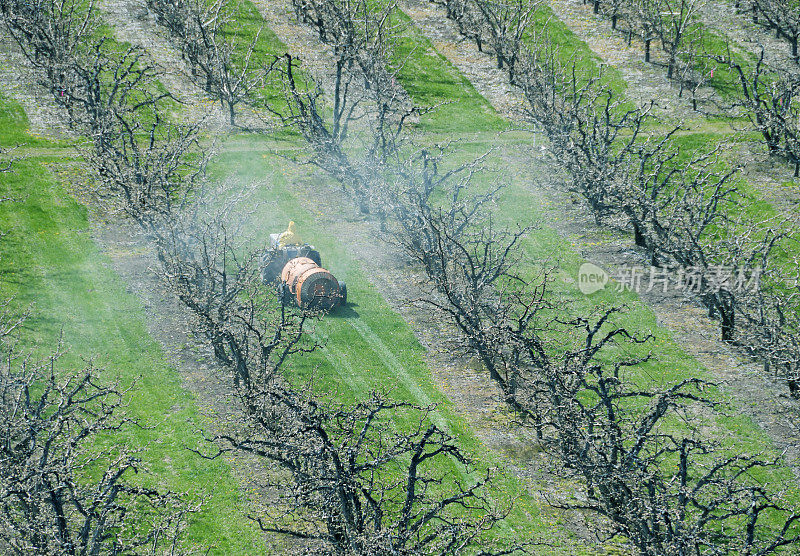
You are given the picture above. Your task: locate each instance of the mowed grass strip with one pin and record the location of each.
(50, 263)
(242, 31)
(547, 30)
(431, 80)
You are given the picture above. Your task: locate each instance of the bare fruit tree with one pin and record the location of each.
(138, 154)
(325, 123)
(111, 95)
(468, 18)
(352, 494)
(360, 33)
(359, 107)
(660, 484)
(208, 34)
(306, 111)
(51, 33)
(507, 23)
(781, 15)
(677, 209)
(769, 97)
(60, 493)
(673, 23)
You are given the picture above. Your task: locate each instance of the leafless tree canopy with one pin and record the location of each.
(59, 494)
(769, 98)
(111, 95)
(206, 33)
(360, 485)
(678, 209)
(637, 448)
(364, 94)
(583, 408)
(359, 32)
(783, 16)
(343, 461)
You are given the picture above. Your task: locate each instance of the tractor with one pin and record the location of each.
(296, 268)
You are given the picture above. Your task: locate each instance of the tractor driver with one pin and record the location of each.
(289, 237)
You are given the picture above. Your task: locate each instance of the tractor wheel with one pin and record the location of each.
(343, 293)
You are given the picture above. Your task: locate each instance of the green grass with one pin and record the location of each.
(572, 51)
(431, 80)
(15, 127)
(50, 263)
(243, 29)
(247, 22)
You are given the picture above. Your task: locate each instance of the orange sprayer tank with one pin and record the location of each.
(310, 285)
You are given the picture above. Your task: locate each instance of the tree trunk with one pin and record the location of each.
(727, 315)
(794, 388)
(638, 236)
(647, 50)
